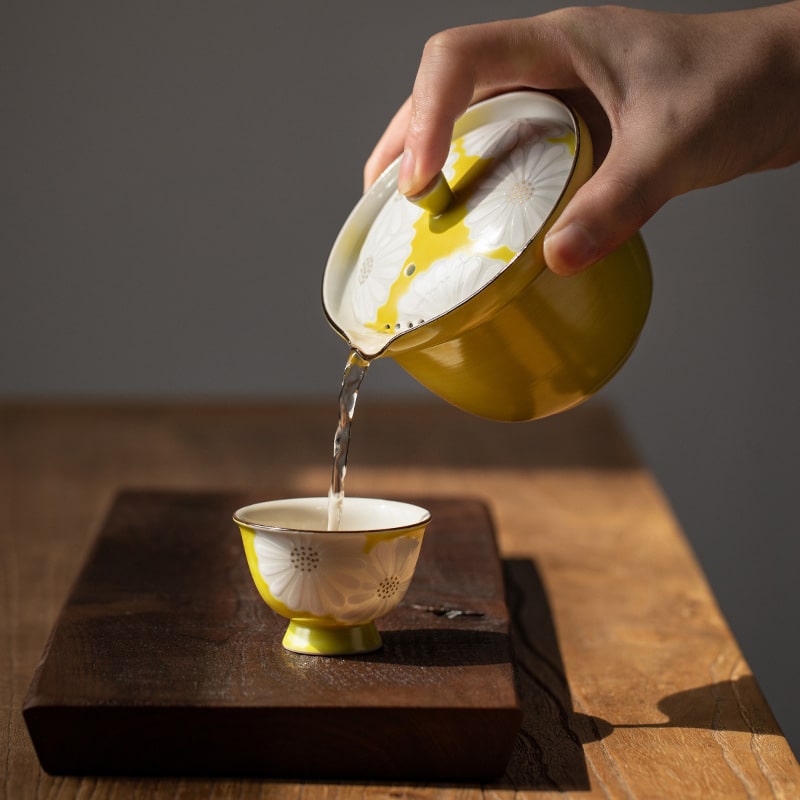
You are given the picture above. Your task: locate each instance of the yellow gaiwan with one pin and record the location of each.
(454, 286)
(332, 585)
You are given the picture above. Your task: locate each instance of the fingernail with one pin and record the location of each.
(570, 249)
(405, 175)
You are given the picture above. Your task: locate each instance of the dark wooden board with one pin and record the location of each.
(166, 661)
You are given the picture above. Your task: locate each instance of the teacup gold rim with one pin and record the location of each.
(388, 531)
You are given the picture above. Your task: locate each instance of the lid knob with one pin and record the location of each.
(436, 197)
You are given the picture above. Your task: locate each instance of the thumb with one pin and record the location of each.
(627, 189)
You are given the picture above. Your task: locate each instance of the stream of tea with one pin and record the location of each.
(354, 372)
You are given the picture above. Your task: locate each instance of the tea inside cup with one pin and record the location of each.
(332, 585)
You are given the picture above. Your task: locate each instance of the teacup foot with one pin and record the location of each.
(331, 641)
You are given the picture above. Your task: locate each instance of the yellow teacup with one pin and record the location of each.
(332, 585)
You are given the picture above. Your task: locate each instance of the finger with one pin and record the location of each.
(463, 64)
(389, 146)
(627, 189)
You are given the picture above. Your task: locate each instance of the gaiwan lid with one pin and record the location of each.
(399, 265)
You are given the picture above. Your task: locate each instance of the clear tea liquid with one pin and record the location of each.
(354, 372)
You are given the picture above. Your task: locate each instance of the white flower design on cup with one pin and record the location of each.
(336, 578)
(332, 585)
(389, 569)
(307, 573)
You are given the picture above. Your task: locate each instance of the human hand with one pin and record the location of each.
(674, 102)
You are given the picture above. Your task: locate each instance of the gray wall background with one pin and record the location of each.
(172, 178)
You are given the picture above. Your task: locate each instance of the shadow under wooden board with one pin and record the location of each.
(165, 660)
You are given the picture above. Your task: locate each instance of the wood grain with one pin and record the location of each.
(167, 661)
(630, 680)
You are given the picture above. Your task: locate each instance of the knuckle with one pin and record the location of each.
(445, 46)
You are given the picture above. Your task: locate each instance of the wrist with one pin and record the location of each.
(781, 78)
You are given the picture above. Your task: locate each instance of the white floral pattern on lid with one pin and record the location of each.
(404, 277)
(387, 245)
(508, 208)
(497, 139)
(446, 284)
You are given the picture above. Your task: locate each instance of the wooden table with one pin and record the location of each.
(630, 680)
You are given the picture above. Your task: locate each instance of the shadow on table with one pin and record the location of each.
(549, 749)
(723, 706)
